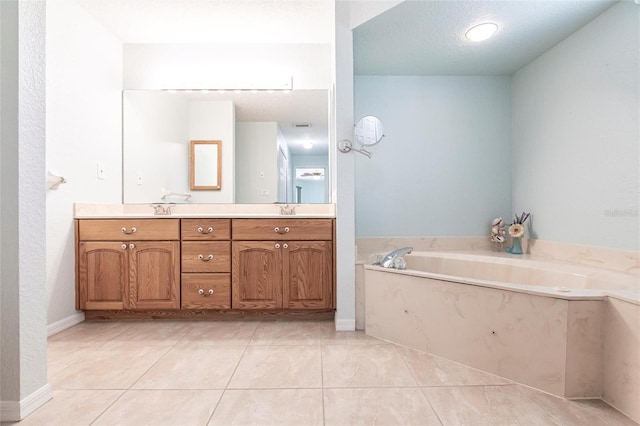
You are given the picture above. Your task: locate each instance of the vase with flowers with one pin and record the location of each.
(516, 231)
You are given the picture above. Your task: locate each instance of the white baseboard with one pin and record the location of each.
(65, 323)
(348, 324)
(14, 411)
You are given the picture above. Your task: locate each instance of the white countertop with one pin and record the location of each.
(146, 211)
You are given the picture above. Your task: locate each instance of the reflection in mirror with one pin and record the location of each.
(368, 131)
(310, 185)
(266, 137)
(205, 162)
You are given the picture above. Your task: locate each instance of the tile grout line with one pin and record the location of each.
(415, 378)
(226, 386)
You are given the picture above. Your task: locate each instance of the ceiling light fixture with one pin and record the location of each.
(481, 32)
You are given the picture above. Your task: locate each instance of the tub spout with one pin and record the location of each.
(389, 260)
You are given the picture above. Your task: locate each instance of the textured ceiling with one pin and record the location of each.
(427, 37)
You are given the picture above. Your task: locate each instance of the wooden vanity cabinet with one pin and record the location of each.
(206, 264)
(128, 264)
(285, 273)
(185, 268)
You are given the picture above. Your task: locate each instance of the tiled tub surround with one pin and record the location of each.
(581, 343)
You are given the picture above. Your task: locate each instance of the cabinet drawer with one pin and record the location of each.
(206, 256)
(128, 229)
(281, 229)
(206, 291)
(206, 229)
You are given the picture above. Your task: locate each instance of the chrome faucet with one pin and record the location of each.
(162, 209)
(389, 261)
(287, 210)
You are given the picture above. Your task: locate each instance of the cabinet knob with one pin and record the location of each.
(124, 246)
(205, 259)
(201, 292)
(132, 246)
(277, 245)
(286, 229)
(285, 245)
(276, 229)
(203, 231)
(124, 230)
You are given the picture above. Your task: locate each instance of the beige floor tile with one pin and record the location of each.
(149, 333)
(161, 407)
(278, 367)
(292, 332)
(364, 366)
(231, 333)
(72, 407)
(586, 412)
(486, 405)
(193, 366)
(60, 357)
(115, 368)
(431, 370)
(296, 407)
(91, 333)
(350, 338)
(377, 406)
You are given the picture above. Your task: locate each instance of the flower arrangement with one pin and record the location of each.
(516, 230)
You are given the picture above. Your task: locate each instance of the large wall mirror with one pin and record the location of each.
(265, 137)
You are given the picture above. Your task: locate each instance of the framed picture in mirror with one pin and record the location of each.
(205, 165)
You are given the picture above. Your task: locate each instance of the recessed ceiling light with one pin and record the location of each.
(482, 31)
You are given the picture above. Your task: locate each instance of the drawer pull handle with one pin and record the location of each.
(132, 246)
(124, 246)
(277, 245)
(205, 259)
(124, 230)
(276, 229)
(283, 231)
(201, 292)
(202, 231)
(285, 245)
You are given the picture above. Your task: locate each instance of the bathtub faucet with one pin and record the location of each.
(389, 261)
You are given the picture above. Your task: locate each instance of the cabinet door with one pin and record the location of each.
(256, 275)
(307, 275)
(103, 275)
(155, 275)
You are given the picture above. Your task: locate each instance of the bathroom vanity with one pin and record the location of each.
(207, 265)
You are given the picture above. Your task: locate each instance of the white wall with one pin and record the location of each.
(83, 102)
(443, 167)
(23, 340)
(576, 135)
(256, 162)
(188, 66)
(343, 174)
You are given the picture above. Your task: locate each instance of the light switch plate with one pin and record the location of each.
(101, 172)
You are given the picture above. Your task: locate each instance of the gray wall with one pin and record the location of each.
(443, 167)
(576, 138)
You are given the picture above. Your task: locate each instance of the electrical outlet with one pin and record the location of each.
(139, 180)
(101, 173)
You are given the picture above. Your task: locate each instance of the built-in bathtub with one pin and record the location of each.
(567, 329)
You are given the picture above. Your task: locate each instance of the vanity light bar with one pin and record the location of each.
(223, 91)
(249, 85)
